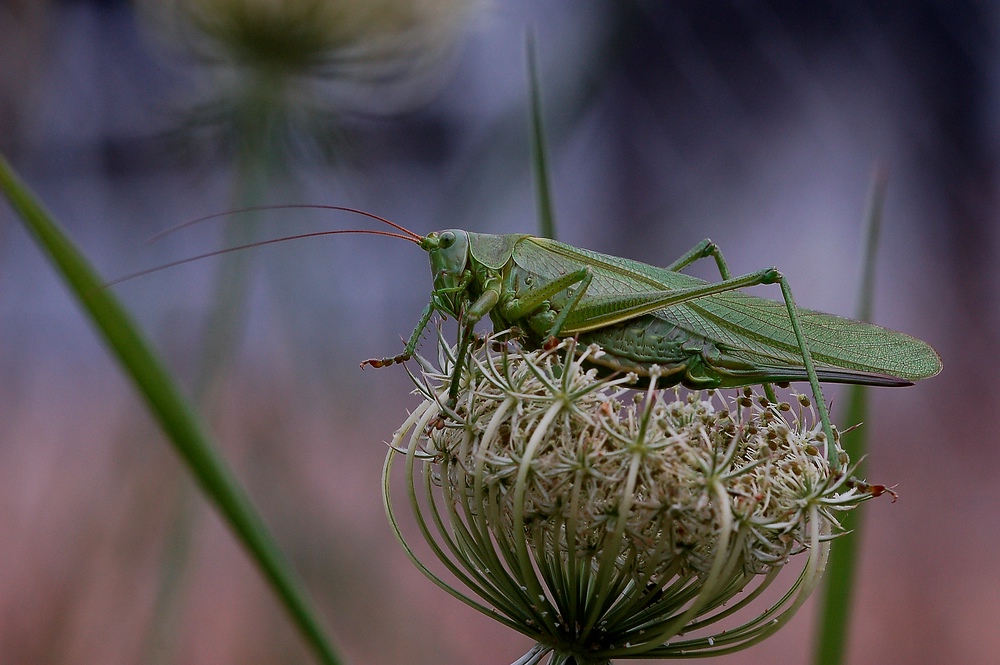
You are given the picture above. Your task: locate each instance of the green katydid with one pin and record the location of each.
(648, 319)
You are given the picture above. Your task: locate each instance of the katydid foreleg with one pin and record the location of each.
(467, 320)
(531, 303)
(466, 333)
(411, 344)
(425, 317)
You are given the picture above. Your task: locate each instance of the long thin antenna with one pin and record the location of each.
(283, 206)
(259, 243)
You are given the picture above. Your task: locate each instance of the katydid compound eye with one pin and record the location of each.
(447, 240)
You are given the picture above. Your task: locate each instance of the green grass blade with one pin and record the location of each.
(169, 408)
(539, 153)
(836, 605)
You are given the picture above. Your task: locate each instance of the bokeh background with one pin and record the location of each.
(756, 123)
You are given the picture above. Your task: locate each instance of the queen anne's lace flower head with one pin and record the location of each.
(329, 38)
(281, 76)
(605, 522)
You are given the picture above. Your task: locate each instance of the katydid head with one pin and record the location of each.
(449, 256)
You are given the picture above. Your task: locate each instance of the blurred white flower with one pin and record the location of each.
(285, 70)
(330, 38)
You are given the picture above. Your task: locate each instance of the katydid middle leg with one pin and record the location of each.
(529, 303)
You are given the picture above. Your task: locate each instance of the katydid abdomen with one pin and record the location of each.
(695, 361)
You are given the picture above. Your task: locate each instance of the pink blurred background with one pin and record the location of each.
(757, 124)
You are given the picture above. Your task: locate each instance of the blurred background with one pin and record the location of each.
(756, 123)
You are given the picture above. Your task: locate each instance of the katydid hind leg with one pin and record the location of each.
(832, 451)
(772, 276)
(646, 303)
(703, 250)
(604, 310)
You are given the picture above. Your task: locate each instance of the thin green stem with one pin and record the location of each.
(539, 153)
(835, 608)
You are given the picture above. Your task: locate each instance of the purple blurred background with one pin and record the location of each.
(755, 123)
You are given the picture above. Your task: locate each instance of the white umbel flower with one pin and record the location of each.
(605, 522)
